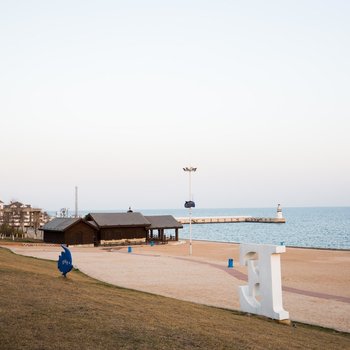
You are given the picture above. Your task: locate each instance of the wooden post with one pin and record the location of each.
(176, 234)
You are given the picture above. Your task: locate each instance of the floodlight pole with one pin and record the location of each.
(189, 170)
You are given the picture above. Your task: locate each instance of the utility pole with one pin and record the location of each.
(76, 201)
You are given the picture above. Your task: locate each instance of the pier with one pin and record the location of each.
(230, 219)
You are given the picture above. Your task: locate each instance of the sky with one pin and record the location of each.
(116, 97)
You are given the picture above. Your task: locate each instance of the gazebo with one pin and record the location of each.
(160, 223)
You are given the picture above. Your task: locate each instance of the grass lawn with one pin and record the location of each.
(40, 309)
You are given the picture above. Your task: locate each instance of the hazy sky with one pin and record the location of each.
(117, 97)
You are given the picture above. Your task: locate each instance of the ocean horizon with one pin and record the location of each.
(316, 227)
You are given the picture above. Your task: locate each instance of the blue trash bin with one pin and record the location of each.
(230, 263)
(129, 249)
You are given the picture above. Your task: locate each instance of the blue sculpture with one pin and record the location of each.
(64, 263)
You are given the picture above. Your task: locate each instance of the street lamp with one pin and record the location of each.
(190, 204)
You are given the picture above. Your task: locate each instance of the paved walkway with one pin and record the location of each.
(243, 277)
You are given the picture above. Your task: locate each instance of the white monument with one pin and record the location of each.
(263, 294)
(279, 212)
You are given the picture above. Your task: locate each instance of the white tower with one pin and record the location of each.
(279, 212)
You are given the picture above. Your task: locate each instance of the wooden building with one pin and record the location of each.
(102, 228)
(161, 224)
(118, 226)
(70, 231)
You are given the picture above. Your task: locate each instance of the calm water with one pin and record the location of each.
(305, 227)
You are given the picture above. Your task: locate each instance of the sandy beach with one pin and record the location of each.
(315, 282)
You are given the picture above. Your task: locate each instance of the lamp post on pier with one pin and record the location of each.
(190, 204)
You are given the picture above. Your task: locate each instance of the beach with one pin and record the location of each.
(315, 282)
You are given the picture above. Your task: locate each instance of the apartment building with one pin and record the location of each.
(22, 216)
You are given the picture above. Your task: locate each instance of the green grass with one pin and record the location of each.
(40, 309)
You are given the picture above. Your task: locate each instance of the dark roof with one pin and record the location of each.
(118, 219)
(92, 224)
(60, 224)
(163, 221)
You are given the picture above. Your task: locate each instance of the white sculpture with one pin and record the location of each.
(263, 294)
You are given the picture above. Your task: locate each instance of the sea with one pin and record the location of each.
(319, 227)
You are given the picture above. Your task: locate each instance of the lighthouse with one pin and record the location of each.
(279, 212)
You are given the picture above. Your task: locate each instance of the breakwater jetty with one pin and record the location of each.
(229, 219)
(279, 219)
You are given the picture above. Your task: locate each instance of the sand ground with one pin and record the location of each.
(316, 282)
